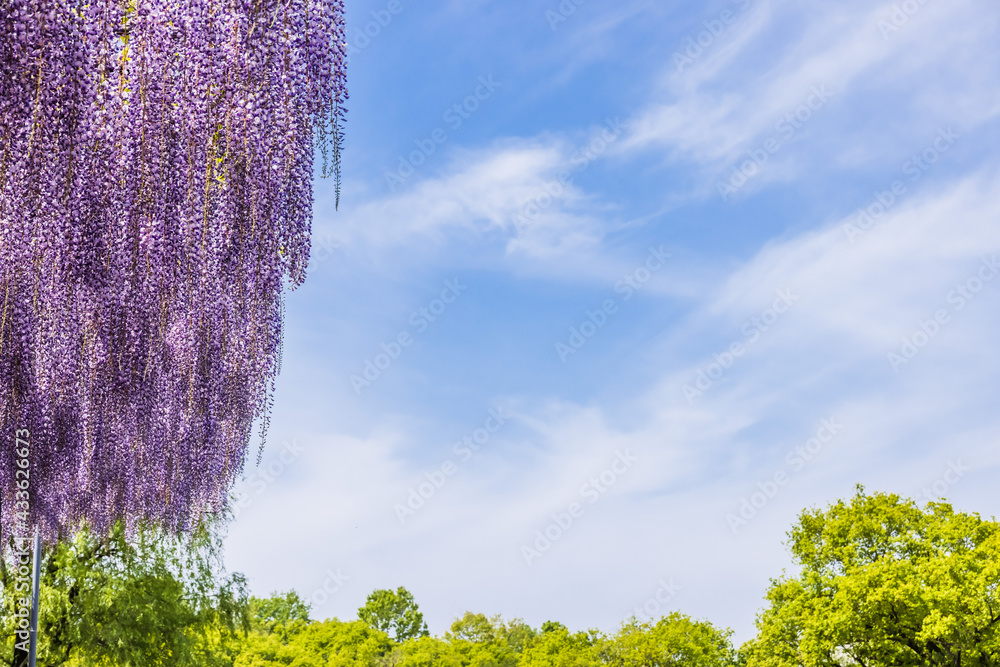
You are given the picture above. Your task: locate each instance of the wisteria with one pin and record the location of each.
(156, 164)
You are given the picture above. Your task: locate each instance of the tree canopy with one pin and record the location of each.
(884, 582)
(147, 601)
(879, 582)
(395, 612)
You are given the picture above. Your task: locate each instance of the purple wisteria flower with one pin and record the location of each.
(156, 163)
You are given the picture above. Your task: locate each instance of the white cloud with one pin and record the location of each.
(825, 358)
(666, 516)
(733, 96)
(479, 192)
(521, 195)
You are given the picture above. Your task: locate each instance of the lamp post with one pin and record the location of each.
(36, 570)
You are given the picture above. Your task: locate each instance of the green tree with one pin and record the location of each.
(282, 634)
(554, 646)
(673, 641)
(487, 641)
(882, 583)
(329, 643)
(147, 601)
(274, 622)
(395, 612)
(336, 643)
(424, 652)
(283, 613)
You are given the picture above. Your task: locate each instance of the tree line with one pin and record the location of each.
(879, 581)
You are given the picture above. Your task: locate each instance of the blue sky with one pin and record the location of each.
(650, 278)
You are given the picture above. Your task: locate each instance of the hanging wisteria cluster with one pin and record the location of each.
(156, 163)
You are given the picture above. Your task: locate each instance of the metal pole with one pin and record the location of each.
(36, 575)
(22, 637)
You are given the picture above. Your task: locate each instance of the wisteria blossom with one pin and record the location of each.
(156, 164)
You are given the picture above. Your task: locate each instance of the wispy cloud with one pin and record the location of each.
(878, 227)
(743, 86)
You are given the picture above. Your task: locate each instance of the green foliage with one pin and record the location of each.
(484, 641)
(425, 652)
(884, 583)
(556, 647)
(282, 635)
(395, 612)
(280, 638)
(283, 614)
(673, 641)
(154, 600)
(337, 643)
